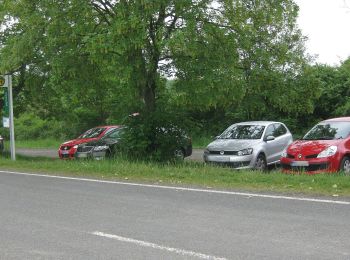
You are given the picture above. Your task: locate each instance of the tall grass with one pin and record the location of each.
(187, 174)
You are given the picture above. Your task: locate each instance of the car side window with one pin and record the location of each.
(279, 130)
(270, 130)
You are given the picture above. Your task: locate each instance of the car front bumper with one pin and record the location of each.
(311, 166)
(83, 155)
(237, 162)
(66, 154)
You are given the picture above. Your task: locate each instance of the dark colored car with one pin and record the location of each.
(325, 148)
(68, 149)
(107, 146)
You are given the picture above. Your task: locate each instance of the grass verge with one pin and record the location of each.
(36, 144)
(199, 142)
(187, 174)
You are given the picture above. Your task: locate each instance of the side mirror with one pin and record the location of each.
(269, 138)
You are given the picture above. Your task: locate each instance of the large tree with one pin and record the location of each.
(97, 58)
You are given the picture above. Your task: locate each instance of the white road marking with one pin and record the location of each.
(156, 246)
(244, 194)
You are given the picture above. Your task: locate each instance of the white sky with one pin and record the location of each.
(327, 25)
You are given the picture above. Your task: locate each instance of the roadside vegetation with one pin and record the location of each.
(38, 144)
(199, 66)
(202, 65)
(187, 174)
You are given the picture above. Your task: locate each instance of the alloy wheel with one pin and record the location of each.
(346, 166)
(179, 154)
(260, 163)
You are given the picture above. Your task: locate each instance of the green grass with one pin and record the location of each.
(41, 143)
(201, 141)
(187, 174)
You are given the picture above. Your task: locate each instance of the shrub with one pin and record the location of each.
(30, 126)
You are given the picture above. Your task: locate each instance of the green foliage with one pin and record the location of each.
(86, 63)
(155, 136)
(29, 126)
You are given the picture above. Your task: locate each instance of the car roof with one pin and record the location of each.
(337, 119)
(263, 123)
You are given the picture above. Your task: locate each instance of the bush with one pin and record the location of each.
(154, 136)
(29, 126)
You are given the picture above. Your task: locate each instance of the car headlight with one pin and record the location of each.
(330, 151)
(206, 151)
(245, 152)
(100, 148)
(284, 153)
(75, 146)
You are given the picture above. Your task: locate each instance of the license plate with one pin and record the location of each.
(300, 163)
(64, 152)
(221, 159)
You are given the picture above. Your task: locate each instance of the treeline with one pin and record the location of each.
(201, 65)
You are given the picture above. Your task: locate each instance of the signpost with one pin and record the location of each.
(6, 83)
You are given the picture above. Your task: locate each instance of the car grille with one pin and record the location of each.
(225, 152)
(310, 168)
(232, 164)
(65, 155)
(84, 149)
(66, 147)
(290, 156)
(311, 156)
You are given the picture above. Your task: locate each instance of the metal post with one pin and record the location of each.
(12, 127)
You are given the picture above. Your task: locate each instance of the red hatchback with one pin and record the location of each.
(68, 149)
(325, 148)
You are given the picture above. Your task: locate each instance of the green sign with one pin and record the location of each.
(6, 103)
(2, 81)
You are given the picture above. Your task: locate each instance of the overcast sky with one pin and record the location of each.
(327, 25)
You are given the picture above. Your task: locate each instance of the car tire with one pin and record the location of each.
(179, 154)
(260, 164)
(345, 165)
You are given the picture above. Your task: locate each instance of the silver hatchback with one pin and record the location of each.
(249, 145)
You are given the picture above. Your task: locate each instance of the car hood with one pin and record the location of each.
(309, 147)
(78, 141)
(232, 144)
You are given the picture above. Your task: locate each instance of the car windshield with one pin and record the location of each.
(92, 133)
(115, 134)
(243, 132)
(329, 131)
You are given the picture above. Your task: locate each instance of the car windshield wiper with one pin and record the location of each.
(326, 138)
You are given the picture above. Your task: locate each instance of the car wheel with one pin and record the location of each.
(260, 163)
(179, 154)
(345, 165)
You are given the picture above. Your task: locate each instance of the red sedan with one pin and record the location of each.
(68, 149)
(325, 148)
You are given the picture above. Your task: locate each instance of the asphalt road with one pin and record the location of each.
(56, 218)
(197, 154)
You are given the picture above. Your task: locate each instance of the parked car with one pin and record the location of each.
(102, 148)
(107, 146)
(68, 149)
(325, 148)
(249, 145)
